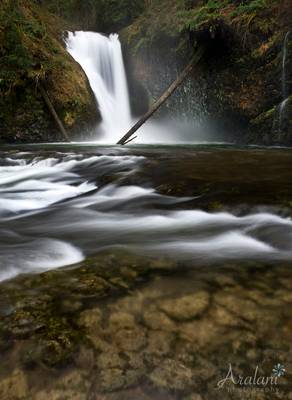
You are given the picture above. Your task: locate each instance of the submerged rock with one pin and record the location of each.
(90, 319)
(14, 386)
(164, 338)
(186, 307)
(172, 375)
(156, 320)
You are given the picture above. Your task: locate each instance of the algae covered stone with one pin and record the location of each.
(14, 386)
(186, 307)
(172, 375)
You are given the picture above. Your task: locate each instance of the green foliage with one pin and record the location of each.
(101, 14)
(120, 13)
(35, 30)
(27, 53)
(193, 18)
(13, 54)
(25, 45)
(250, 7)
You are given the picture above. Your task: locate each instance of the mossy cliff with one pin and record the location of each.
(32, 51)
(237, 88)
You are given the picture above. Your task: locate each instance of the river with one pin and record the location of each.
(142, 271)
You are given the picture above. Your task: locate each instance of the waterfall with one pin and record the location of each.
(102, 61)
(284, 80)
(284, 61)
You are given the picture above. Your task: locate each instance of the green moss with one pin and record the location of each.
(21, 36)
(173, 17)
(159, 20)
(102, 15)
(31, 51)
(267, 115)
(193, 18)
(249, 7)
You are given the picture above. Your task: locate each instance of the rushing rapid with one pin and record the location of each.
(58, 210)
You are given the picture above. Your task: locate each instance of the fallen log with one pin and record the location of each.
(197, 56)
(53, 113)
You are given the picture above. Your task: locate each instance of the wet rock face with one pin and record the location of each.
(164, 331)
(239, 79)
(155, 69)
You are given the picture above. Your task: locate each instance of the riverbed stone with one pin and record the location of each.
(23, 324)
(98, 343)
(242, 340)
(14, 386)
(193, 396)
(163, 264)
(224, 317)
(130, 339)
(261, 298)
(74, 379)
(201, 333)
(59, 394)
(110, 359)
(172, 375)
(91, 319)
(85, 359)
(135, 360)
(239, 305)
(160, 343)
(6, 309)
(157, 320)
(284, 295)
(70, 306)
(56, 352)
(111, 379)
(225, 280)
(186, 307)
(184, 351)
(121, 320)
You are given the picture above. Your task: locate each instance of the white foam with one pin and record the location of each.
(38, 255)
(130, 216)
(234, 245)
(40, 183)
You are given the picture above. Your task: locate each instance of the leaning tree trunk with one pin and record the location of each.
(126, 138)
(53, 113)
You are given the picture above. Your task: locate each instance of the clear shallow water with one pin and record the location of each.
(59, 205)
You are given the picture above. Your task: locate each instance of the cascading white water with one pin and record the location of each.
(283, 79)
(284, 61)
(102, 61)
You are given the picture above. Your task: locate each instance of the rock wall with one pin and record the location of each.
(236, 92)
